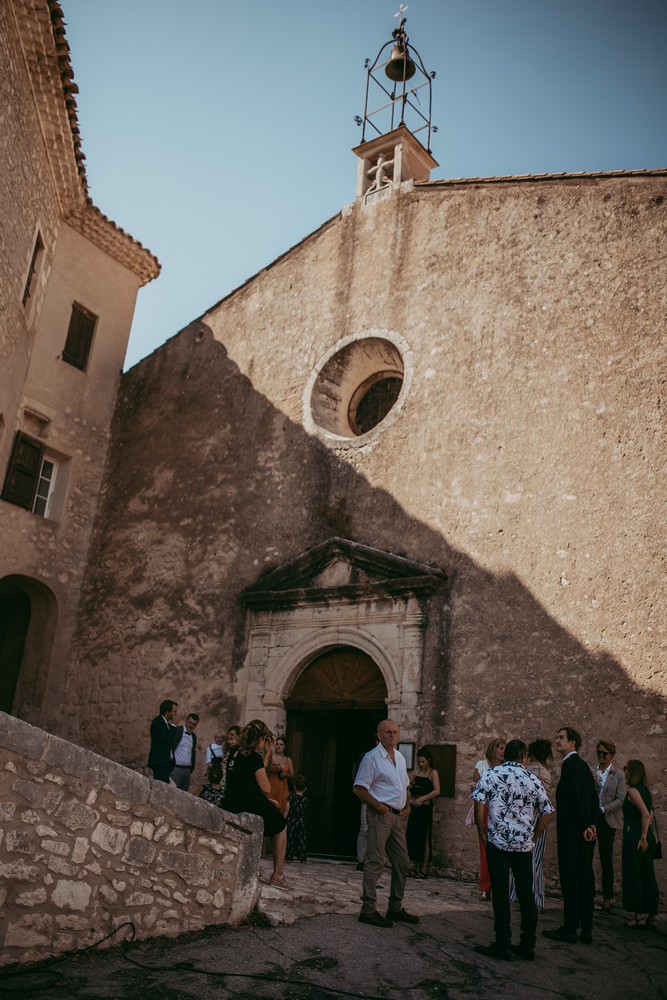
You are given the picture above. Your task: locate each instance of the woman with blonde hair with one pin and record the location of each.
(248, 790)
(639, 885)
(495, 754)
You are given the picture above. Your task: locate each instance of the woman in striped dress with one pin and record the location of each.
(539, 753)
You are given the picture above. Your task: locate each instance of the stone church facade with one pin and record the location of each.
(487, 559)
(414, 466)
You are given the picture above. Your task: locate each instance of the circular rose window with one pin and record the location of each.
(357, 387)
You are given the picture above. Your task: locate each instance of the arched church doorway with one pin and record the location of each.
(332, 715)
(28, 615)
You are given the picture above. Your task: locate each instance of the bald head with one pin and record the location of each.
(388, 734)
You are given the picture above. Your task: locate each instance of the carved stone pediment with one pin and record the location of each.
(341, 570)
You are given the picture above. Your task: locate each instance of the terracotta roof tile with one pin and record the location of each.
(47, 54)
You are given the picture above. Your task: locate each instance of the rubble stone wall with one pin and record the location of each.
(87, 845)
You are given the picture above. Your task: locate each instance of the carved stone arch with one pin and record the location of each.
(284, 675)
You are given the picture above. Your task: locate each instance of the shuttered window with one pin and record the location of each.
(23, 472)
(79, 337)
(33, 271)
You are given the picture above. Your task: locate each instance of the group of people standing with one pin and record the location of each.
(247, 771)
(512, 808)
(250, 771)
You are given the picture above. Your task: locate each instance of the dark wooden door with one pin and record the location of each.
(332, 716)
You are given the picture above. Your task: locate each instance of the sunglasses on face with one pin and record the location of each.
(603, 753)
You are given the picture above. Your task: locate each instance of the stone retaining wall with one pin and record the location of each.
(86, 844)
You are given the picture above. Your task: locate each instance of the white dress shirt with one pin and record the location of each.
(386, 781)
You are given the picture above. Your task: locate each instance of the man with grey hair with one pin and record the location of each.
(381, 783)
(519, 810)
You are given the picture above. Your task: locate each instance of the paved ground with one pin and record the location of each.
(308, 945)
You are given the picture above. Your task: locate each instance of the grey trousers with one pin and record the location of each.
(386, 836)
(181, 777)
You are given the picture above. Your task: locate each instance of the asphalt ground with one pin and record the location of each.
(332, 955)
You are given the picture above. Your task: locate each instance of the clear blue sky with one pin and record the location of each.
(219, 134)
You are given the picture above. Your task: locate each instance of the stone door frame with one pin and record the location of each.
(316, 603)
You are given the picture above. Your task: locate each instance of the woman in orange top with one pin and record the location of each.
(280, 769)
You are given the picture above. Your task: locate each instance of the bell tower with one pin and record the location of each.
(395, 131)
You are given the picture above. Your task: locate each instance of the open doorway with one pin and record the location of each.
(28, 616)
(332, 715)
(14, 621)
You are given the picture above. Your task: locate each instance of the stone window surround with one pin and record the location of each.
(337, 441)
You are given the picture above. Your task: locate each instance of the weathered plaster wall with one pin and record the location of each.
(86, 845)
(527, 461)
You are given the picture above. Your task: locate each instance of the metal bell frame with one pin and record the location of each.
(402, 98)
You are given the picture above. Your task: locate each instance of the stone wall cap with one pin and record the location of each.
(564, 176)
(21, 737)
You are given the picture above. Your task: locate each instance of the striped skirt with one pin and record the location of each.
(538, 873)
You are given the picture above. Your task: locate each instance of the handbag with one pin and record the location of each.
(470, 818)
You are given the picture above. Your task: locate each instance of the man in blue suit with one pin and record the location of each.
(163, 733)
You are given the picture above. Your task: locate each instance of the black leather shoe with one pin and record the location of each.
(586, 937)
(565, 937)
(403, 915)
(526, 953)
(493, 951)
(375, 919)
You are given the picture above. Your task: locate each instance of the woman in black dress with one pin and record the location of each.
(424, 787)
(248, 791)
(639, 885)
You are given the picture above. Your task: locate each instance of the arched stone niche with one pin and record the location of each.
(338, 594)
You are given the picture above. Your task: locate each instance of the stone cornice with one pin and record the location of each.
(41, 29)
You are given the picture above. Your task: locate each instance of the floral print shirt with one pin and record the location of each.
(515, 799)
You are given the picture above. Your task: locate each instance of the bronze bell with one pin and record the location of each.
(400, 67)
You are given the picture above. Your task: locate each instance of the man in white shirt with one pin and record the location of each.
(381, 783)
(185, 751)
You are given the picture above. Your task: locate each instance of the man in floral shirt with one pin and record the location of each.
(519, 811)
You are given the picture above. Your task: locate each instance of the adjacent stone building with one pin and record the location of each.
(68, 283)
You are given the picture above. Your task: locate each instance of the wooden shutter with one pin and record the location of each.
(23, 471)
(79, 337)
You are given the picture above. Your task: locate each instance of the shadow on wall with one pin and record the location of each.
(208, 485)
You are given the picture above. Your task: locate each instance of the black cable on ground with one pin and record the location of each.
(57, 979)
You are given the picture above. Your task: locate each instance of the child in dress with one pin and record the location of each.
(213, 792)
(296, 821)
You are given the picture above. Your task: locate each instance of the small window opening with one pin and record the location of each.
(35, 478)
(45, 486)
(373, 400)
(33, 271)
(79, 337)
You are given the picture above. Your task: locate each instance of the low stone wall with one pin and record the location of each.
(86, 844)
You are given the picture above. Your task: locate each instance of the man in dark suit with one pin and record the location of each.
(161, 755)
(185, 752)
(576, 814)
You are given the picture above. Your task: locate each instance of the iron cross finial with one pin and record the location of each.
(401, 11)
